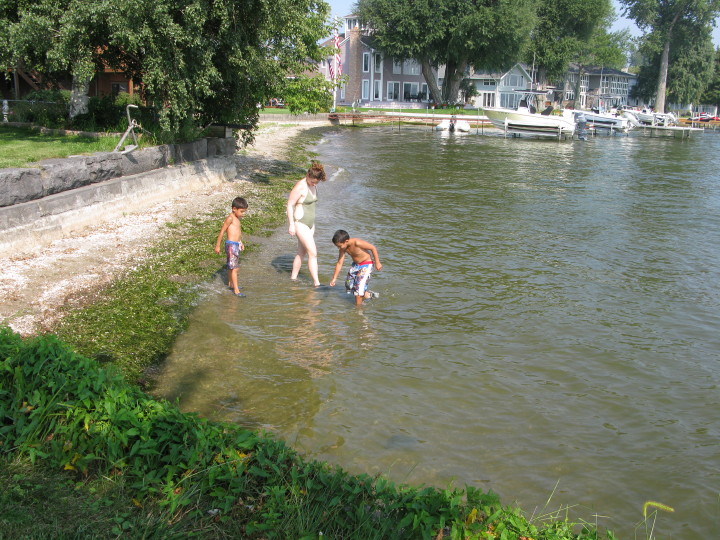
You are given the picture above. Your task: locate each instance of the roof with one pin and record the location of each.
(600, 70)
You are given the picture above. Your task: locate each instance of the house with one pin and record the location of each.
(496, 89)
(373, 80)
(104, 83)
(599, 88)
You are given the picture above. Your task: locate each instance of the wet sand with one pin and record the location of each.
(34, 285)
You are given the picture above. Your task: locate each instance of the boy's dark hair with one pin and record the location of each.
(239, 202)
(340, 236)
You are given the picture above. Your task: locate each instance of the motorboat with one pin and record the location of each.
(613, 121)
(525, 120)
(452, 125)
(651, 118)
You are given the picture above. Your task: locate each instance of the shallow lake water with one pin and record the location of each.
(547, 325)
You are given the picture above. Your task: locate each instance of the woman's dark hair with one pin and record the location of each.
(317, 171)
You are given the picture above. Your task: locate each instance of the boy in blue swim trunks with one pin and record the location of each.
(364, 257)
(233, 244)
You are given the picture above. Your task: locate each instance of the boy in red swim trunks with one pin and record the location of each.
(364, 257)
(233, 244)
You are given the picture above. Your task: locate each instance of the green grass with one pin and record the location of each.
(21, 146)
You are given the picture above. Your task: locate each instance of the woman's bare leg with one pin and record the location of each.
(306, 246)
(297, 261)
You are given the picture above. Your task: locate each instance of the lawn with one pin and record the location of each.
(21, 146)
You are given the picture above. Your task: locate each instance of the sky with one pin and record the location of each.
(340, 8)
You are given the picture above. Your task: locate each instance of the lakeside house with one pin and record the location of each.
(374, 80)
(108, 82)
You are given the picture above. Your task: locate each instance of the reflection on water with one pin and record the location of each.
(548, 315)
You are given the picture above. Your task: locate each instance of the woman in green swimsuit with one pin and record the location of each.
(301, 215)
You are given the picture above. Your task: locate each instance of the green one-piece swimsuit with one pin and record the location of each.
(308, 217)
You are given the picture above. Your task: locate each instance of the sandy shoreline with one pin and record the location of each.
(34, 286)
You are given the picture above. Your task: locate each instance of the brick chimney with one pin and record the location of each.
(353, 90)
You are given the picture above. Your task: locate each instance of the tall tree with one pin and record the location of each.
(564, 29)
(664, 19)
(456, 34)
(199, 61)
(711, 95)
(690, 65)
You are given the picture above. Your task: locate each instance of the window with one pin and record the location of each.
(410, 91)
(513, 80)
(378, 63)
(342, 93)
(365, 89)
(424, 92)
(366, 62)
(397, 68)
(377, 91)
(411, 67)
(116, 88)
(488, 99)
(393, 91)
(509, 101)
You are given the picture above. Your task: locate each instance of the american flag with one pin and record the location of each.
(336, 66)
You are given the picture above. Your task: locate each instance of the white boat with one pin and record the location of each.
(452, 125)
(652, 118)
(525, 120)
(606, 120)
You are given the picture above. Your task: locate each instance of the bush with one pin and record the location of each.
(44, 107)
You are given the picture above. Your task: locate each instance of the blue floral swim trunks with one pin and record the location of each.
(232, 252)
(358, 278)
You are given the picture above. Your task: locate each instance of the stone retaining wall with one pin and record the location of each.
(51, 176)
(66, 195)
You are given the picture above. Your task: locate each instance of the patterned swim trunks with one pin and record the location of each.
(232, 252)
(358, 278)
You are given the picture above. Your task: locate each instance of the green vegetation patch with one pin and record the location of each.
(20, 146)
(134, 322)
(142, 458)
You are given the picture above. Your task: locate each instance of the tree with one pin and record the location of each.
(308, 94)
(564, 30)
(456, 34)
(690, 66)
(711, 95)
(664, 20)
(199, 61)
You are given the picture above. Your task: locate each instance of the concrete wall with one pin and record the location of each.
(52, 176)
(80, 191)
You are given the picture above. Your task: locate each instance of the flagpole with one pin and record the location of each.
(335, 71)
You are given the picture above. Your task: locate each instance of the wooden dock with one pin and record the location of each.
(397, 118)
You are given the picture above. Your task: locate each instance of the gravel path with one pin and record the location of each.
(34, 286)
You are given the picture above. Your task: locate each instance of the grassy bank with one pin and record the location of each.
(85, 453)
(20, 146)
(138, 468)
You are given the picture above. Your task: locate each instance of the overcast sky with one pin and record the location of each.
(340, 8)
